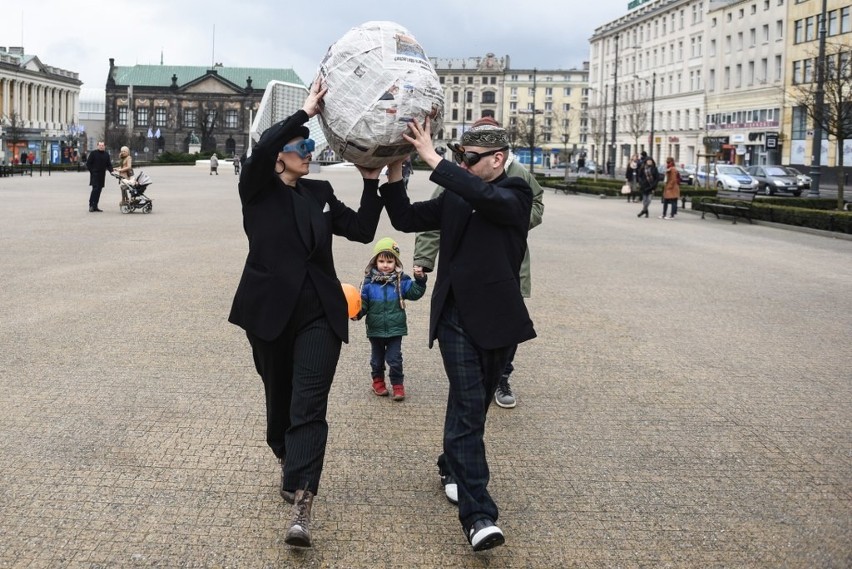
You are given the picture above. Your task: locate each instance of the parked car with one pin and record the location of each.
(687, 174)
(589, 168)
(774, 179)
(727, 176)
(803, 180)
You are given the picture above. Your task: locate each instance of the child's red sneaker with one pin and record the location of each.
(379, 386)
(398, 392)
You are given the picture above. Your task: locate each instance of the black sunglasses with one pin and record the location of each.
(470, 158)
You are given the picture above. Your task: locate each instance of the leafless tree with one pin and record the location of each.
(637, 117)
(597, 132)
(208, 122)
(14, 126)
(835, 115)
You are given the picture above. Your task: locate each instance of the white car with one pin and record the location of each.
(728, 177)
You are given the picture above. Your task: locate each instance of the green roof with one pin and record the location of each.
(161, 75)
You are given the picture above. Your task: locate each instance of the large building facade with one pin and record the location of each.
(38, 109)
(540, 108)
(159, 108)
(712, 80)
(802, 43)
(647, 72)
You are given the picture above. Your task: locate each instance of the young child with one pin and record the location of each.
(383, 295)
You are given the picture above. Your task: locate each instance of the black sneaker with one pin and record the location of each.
(451, 489)
(483, 534)
(503, 396)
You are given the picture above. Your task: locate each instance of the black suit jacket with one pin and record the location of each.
(483, 240)
(98, 164)
(290, 238)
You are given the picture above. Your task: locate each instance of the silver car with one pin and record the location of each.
(727, 176)
(775, 179)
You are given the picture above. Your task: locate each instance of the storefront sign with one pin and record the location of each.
(715, 143)
(771, 139)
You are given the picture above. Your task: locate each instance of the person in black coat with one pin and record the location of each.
(98, 164)
(290, 301)
(478, 314)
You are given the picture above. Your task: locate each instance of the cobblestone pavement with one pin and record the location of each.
(686, 404)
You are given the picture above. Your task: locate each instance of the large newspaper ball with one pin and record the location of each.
(378, 80)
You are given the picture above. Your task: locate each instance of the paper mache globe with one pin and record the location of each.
(378, 80)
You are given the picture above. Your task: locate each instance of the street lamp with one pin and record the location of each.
(611, 164)
(819, 101)
(653, 93)
(533, 111)
(565, 152)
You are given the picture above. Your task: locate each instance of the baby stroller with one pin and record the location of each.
(133, 193)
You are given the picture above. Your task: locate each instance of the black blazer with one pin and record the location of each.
(483, 240)
(290, 237)
(98, 164)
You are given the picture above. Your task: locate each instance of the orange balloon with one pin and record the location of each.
(353, 299)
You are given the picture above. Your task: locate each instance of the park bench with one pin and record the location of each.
(738, 204)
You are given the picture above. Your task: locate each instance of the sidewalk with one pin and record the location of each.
(687, 403)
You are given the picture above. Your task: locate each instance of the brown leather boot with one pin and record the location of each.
(299, 528)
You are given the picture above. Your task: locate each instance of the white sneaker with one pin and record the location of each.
(451, 489)
(669, 217)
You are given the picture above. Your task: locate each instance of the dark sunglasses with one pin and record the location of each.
(470, 158)
(302, 148)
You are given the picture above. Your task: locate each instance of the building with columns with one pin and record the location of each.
(38, 109)
(159, 108)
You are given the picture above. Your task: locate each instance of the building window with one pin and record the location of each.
(513, 106)
(468, 95)
(797, 72)
(231, 118)
(566, 107)
(800, 123)
(752, 36)
(455, 96)
(469, 80)
(190, 118)
(456, 80)
(142, 116)
(778, 68)
(122, 116)
(808, 71)
(160, 116)
(566, 92)
(488, 97)
(845, 22)
(810, 28)
(779, 30)
(798, 31)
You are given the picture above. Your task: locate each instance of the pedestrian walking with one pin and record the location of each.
(383, 294)
(477, 312)
(290, 301)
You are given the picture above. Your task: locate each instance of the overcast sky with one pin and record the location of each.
(549, 34)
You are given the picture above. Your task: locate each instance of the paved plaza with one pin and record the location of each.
(687, 403)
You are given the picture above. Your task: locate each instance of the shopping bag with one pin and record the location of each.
(625, 189)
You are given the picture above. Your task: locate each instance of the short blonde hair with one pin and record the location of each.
(125, 149)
